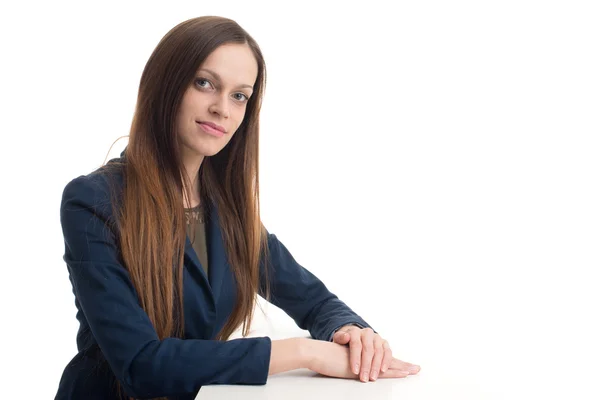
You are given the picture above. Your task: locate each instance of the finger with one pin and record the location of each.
(393, 373)
(387, 356)
(377, 357)
(355, 351)
(414, 369)
(404, 366)
(367, 353)
(341, 337)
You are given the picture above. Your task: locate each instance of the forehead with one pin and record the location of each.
(234, 63)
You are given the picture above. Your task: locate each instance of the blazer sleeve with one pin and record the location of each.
(146, 366)
(303, 296)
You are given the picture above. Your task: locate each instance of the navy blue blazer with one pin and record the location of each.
(116, 339)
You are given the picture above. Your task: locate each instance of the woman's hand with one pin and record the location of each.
(369, 353)
(332, 359)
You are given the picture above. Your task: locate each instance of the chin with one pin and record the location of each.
(207, 152)
(200, 148)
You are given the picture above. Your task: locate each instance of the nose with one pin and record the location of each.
(220, 107)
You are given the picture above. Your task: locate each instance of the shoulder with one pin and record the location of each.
(95, 191)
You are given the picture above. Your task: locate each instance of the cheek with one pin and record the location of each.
(183, 115)
(183, 126)
(239, 117)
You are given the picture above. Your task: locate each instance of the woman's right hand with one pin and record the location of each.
(332, 359)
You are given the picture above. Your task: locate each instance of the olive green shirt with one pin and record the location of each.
(195, 228)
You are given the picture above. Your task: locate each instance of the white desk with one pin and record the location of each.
(305, 384)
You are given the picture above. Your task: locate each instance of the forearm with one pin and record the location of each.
(329, 316)
(289, 354)
(302, 295)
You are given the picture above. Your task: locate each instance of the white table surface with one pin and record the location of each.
(305, 384)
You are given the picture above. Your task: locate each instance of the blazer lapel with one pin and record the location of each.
(217, 260)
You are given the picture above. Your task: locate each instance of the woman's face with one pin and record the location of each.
(217, 96)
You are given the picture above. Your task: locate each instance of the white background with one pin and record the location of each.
(435, 163)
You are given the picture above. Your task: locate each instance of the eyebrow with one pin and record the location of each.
(219, 78)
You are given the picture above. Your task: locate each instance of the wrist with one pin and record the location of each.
(288, 354)
(305, 351)
(342, 328)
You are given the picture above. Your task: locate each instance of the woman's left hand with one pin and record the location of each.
(369, 353)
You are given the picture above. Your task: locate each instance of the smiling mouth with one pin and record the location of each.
(212, 125)
(210, 129)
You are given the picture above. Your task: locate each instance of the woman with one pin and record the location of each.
(166, 250)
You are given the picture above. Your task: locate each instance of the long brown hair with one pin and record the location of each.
(150, 214)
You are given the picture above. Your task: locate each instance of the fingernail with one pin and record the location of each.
(384, 368)
(365, 377)
(413, 368)
(356, 368)
(374, 376)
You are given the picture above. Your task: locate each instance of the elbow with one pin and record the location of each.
(141, 377)
(143, 388)
(131, 390)
(140, 386)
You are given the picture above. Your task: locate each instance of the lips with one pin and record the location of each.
(213, 125)
(211, 129)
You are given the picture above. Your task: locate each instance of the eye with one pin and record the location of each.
(203, 83)
(241, 97)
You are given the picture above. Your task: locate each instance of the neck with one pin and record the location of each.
(192, 165)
